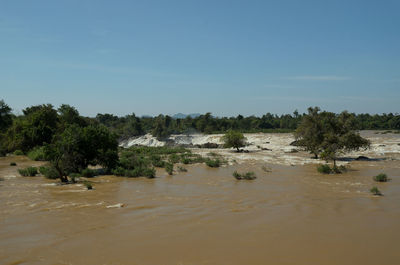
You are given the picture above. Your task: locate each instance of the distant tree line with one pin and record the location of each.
(39, 124)
(164, 125)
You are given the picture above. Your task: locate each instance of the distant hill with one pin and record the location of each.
(182, 116)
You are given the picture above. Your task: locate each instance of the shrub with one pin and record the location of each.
(149, 173)
(37, 154)
(133, 173)
(182, 169)
(88, 184)
(169, 167)
(186, 160)
(119, 171)
(381, 178)
(173, 158)
(324, 169)
(74, 177)
(49, 172)
(247, 176)
(376, 191)
(191, 158)
(13, 164)
(18, 153)
(157, 161)
(213, 163)
(28, 172)
(88, 173)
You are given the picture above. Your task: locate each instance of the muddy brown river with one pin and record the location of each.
(291, 215)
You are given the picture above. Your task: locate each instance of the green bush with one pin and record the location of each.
(133, 173)
(157, 161)
(88, 184)
(49, 172)
(381, 178)
(324, 169)
(74, 177)
(169, 167)
(119, 171)
(149, 173)
(37, 154)
(173, 158)
(28, 172)
(375, 191)
(161, 150)
(13, 164)
(18, 153)
(88, 173)
(246, 176)
(186, 160)
(213, 162)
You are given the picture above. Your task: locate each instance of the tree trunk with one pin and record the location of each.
(237, 148)
(315, 156)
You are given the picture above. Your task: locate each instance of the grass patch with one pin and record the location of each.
(161, 150)
(324, 169)
(49, 172)
(375, 191)
(381, 177)
(28, 172)
(244, 176)
(88, 184)
(213, 162)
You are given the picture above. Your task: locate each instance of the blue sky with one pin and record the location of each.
(225, 57)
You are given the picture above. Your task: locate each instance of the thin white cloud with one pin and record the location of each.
(319, 77)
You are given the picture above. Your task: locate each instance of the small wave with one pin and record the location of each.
(118, 205)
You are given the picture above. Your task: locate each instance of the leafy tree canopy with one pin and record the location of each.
(234, 139)
(328, 134)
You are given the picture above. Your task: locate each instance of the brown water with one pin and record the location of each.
(291, 215)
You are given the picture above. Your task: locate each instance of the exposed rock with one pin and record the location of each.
(362, 158)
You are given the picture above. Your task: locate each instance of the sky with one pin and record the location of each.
(225, 57)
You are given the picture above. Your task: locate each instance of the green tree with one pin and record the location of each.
(309, 133)
(76, 148)
(233, 139)
(69, 115)
(340, 136)
(5, 116)
(35, 128)
(329, 134)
